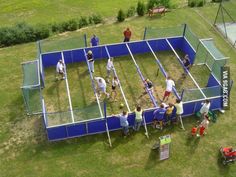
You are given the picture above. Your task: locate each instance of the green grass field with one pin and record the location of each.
(40, 11)
(24, 150)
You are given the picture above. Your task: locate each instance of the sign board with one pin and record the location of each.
(164, 147)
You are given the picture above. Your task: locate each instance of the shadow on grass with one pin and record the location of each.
(153, 159)
(192, 143)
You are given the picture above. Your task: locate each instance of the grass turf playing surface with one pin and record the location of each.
(82, 96)
(24, 150)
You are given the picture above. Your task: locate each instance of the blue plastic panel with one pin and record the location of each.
(188, 108)
(113, 123)
(159, 45)
(139, 47)
(149, 116)
(212, 81)
(76, 130)
(176, 43)
(117, 50)
(96, 126)
(51, 59)
(57, 133)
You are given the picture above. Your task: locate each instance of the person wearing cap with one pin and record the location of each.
(94, 41)
(60, 70)
(101, 83)
(90, 60)
(127, 35)
(109, 68)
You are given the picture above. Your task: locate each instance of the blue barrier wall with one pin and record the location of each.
(115, 50)
(98, 126)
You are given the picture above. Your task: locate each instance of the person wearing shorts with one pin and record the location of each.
(60, 70)
(109, 68)
(169, 87)
(101, 83)
(115, 83)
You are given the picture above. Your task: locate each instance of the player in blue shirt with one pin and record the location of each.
(158, 117)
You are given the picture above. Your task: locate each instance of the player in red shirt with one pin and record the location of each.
(127, 34)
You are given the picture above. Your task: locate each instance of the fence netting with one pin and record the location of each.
(63, 42)
(191, 37)
(208, 54)
(31, 87)
(151, 32)
(192, 94)
(80, 114)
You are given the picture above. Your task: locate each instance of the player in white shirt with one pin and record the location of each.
(60, 69)
(101, 85)
(109, 68)
(169, 87)
(205, 108)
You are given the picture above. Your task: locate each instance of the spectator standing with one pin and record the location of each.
(94, 41)
(90, 60)
(124, 122)
(179, 111)
(127, 35)
(138, 117)
(205, 108)
(169, 112)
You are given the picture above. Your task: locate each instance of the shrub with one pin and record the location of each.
(155, 3)
(83, 22)
(72, 25)
(140, 8)
(55, 27)
(130, 12)
(21, 33)
(200, 3)
(95, 19)
(120, 16)
(219, 0)
(41, 32)
(191, 3)
(165, 3)
(151, 4)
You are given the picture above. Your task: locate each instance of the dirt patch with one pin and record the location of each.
(28, 131)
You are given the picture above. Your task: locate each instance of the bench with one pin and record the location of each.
(157, 10)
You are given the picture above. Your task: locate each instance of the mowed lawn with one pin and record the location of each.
(41, 12)
(24, 150)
